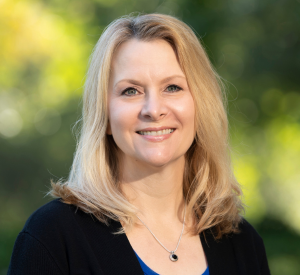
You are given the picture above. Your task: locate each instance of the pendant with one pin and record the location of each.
(173, 257)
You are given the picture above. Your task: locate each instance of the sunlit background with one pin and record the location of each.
(253, 44)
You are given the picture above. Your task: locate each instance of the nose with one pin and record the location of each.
(154, 106)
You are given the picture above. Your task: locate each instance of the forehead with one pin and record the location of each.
(152, 57)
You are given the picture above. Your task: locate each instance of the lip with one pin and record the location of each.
(157, 138)
(160, 128)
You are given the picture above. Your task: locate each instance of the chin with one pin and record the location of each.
(157, 164)
(157, 161)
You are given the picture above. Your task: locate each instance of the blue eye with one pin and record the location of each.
(173, 88)
(130, 91)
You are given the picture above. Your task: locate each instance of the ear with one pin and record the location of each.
(108, 128)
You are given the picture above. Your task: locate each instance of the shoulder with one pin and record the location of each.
(68, 238)
(40, 247)
(54, 209)
(247, 234)
(60, 220)
(48, 217)
(248, 244)
(243, 251)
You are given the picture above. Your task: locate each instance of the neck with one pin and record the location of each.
(156, 191)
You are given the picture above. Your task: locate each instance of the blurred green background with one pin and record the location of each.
(253, 44)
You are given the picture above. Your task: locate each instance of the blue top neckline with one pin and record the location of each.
(148, 271)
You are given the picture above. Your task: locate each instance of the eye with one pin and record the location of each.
(129, 91)
(173, 88)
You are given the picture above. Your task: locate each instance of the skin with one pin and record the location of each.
(152, 172)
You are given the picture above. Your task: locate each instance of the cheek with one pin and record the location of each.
(122, 117)
(186, 112)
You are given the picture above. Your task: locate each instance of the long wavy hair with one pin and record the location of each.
(212, 194)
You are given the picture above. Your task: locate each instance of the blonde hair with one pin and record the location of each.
(209, 186)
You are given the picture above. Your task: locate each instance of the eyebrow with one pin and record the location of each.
(136, 82)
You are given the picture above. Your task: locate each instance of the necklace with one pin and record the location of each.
(173, 257)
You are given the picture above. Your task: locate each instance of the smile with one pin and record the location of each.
(156, 133)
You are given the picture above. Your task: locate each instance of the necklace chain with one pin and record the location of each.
(170, 251)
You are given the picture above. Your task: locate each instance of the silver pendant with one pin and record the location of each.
(173, 257)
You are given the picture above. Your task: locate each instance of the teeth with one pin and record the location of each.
(156, 133)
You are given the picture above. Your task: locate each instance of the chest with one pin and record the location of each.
(191, 256)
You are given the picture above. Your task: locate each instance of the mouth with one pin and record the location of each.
(156, 133)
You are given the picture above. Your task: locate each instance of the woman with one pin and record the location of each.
(151, 190)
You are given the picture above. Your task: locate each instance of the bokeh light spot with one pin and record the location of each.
(10, 123)
(47, 121)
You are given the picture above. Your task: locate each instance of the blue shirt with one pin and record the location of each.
(148, 271)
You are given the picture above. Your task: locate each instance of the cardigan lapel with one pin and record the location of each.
(219, 254)
(122, 254)
(113, 251)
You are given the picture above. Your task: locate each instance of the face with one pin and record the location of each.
(150, 108)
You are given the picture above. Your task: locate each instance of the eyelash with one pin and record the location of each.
(131, 88)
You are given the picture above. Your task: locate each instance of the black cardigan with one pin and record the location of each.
(60, 239)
